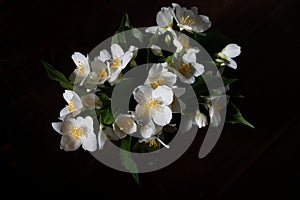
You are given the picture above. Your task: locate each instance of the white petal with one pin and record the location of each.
(68, 143)
(89, 142)
(189, 58)
(126, 58)
(68, 95)
(178, 91)
(148, 130)
(153, 30)
(101, 139)
(110, 133)
(164, 17)
(118, 132)
(126, 123)
(231, 63)
(104, 55)
(142, 115)
(232, 50)
(64, 112)
(78, 57)
(162, 115)
(116, 51)
(57, 126)
(164, 94)
(202, 23)
(169, 78)
(200, 119)
(76, 101)
(199, 69)
(185, 124)
(142, 93)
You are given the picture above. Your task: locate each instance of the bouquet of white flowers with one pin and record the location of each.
(141, 88)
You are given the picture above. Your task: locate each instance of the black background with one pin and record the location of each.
(245, 163)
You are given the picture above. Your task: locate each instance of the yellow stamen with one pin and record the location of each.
(103, 74)
(153, 143)
(157, 83)
(70, 106)
(115, 63)
(185, 68)
(76, 133)
(151, 103)
(187, 20)
(80, 69)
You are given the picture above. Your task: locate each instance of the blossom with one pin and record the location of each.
(83, 68)
(76, 132)
(190, 20)
(153, 104)
(178, 106)
(99, 74)
(123, 125)
(156, 50)
(215, 108)
(91, 101)
(200, 119)
(229, 52)
(117, 62)
(74, 104)
(187, 67)
(149, 133)
(164, 20)
(159, 75)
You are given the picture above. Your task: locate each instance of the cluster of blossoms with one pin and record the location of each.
(156, 100)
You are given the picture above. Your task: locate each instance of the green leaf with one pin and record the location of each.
(126, 159)
(137, 34)
(57, 76)
(103, 97)
(169, 59)
(107, 116)
(234, 116)
(228, 81)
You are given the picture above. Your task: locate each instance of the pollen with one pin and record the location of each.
(185, 68)
(152, 103)
(157, 83)
(187, 20)
(103, 74)
(115, 63)
(71, 106)
(80, 69)
(153, 143)
(76, 133)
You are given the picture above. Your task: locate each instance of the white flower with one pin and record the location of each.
(187, 67)
(149, 134)
(117, 62)
(182, 43)
(200, 119)
(83, 68)
(153, 104)
(91, 101)
(159, 75)
(190, 20)
(164, 20)
(229, 52)
(123, 125)
(76, 132)
(99, 74)
(106, 133)
(74, 104)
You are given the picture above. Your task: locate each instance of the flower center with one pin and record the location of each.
(76, 133)
(157, 83)
(185, 68)
(187, 20)
(103, 74)
(71, 106)
(151, 103)
(80, 68)
(115, 62)
(152, 143)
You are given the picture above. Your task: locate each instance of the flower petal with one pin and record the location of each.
(101, 139)
(142, 115)
(147, 130)
(189, 58)
(232, 50)
(162, 115)
(199, 69)
(164, 94)
(142, 93)
(68, 143)
(231, 63)
(104, 55)
(116, 51)
(89, 142)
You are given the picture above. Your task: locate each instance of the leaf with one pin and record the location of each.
(126, 159)
(57, 76)
(234, 116)
(169, 59)
(107, 116)
(137, 34)
(228, 81)
(103, 97)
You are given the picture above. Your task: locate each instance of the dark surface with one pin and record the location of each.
(245, 163)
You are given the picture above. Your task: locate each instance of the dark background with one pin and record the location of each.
(245, 163)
